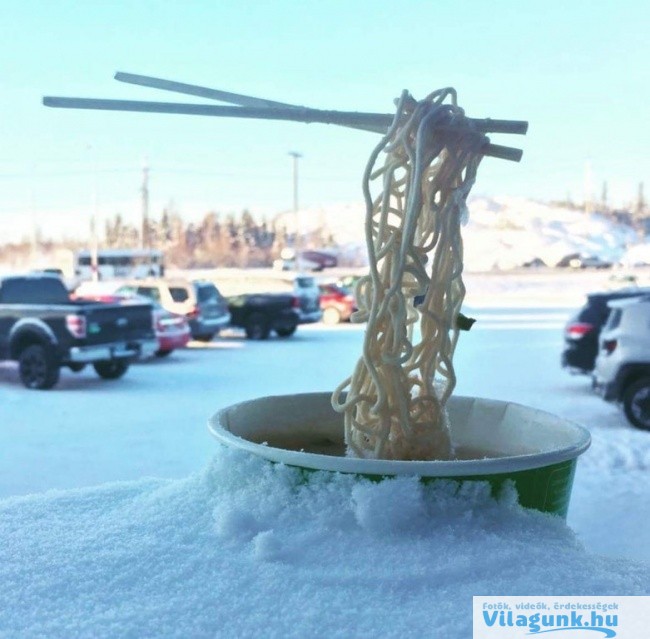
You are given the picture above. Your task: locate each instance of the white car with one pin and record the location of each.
(622, 370)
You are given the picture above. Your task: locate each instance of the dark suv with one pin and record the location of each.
(583, 329)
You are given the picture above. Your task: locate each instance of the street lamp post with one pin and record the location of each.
(144, 191)
(94, 239)
(296, 156)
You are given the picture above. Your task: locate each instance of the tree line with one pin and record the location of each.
(230, 240)
(216, 240)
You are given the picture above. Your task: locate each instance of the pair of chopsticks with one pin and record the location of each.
(260, 108)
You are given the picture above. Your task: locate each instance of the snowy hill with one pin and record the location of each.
(508, 232)
(502, 232)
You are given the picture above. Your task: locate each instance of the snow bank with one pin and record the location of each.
(503, 232)
(246, 549)
(506, 232)
(637, 255)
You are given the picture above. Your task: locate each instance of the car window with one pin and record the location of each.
(150, 292)
(333, 289)
(595, 312)
(614, 319)
(179, 294)
(305, 282)
(207, 293)
(43, 290)
(126, 290)
(590, 315)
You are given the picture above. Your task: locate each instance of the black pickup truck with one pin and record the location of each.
(260, 313)
(262, 301)
(44, 330)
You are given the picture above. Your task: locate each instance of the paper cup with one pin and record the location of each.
(499, 442)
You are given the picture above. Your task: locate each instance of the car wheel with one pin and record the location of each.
(257, 327)
(37, 368)
(163, 353)
(331, 316)
(204, 337)
(287, 330)
(636, 403)
(111, 369)
(76, 367)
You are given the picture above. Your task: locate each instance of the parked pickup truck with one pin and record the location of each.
(260, 313)
(261, 301)
(44, 330)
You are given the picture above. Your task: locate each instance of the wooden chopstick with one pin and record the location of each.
(376, 122)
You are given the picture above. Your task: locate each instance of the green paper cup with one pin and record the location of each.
(496, 442)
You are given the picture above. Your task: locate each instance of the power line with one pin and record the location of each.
(35, 174)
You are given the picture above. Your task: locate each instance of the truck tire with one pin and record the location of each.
(37, 367)
(636, 403)
(111, 369)
(204, 337)
(257, 326)
(286, 330)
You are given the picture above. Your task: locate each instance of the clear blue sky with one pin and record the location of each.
(578, 71)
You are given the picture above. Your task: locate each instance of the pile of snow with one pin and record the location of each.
(637, 255)
(507, 232)
(243, 548)
(248, 549)
(502, 233)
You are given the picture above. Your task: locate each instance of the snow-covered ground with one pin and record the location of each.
(121, 517)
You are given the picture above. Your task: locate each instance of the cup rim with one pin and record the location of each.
(218, 427)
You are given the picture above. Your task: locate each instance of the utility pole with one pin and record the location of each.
(94, 240)
(34, 221)
(296, 156)
(588, 204)
(144, 236)
(640, 201)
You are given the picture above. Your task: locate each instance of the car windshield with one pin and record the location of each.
(207, 293)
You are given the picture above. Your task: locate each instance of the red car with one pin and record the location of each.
(172, 330)
(337, 303)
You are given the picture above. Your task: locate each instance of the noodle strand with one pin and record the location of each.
(394, 402)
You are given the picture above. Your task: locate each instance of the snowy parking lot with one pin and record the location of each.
(154, 530)
(152, 422)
